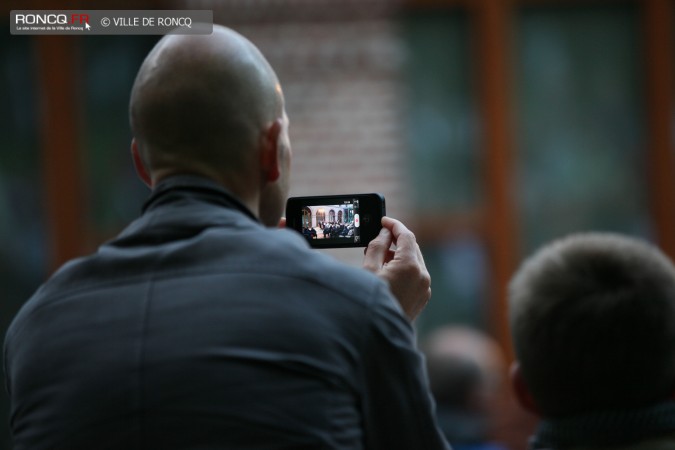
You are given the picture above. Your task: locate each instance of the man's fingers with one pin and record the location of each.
(390, 255)
(282, 223)
(404, 239)
(403, 268)
(377, 252)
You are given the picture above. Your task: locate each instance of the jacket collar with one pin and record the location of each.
(179, 186)
(605, 428)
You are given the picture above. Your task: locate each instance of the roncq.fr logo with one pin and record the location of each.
(51, 19)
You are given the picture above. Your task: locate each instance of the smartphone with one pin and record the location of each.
(336, 221)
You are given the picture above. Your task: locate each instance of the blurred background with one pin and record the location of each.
(490, 126)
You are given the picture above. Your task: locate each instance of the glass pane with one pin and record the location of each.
(580, 122)
(458, 273)
(441, 112)
(23, 255)
(444, 159)
(116, 195)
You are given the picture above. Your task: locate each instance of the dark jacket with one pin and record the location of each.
(198, 328)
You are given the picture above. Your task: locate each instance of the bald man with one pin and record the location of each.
(203, 325)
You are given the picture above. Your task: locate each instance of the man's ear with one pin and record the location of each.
(521, 390)
(138, 164)
(269, 154)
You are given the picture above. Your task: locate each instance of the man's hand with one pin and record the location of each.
(403, 268)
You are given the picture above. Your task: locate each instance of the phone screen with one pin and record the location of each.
(336, 221)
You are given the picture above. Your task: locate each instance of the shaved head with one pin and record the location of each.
(201, 103)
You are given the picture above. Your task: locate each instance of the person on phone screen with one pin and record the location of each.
(203, 325)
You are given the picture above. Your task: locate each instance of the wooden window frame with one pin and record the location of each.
(496, 219)
(491, 21)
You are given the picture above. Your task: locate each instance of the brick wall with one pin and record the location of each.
(339, 62)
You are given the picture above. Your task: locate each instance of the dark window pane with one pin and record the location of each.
(580, 122)
(116, 195)
(458, 273)
(444, 158)
(441, 115)
(23, 246)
